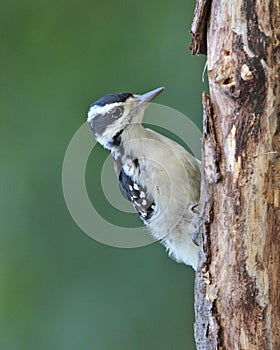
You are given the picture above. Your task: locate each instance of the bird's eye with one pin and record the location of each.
(117, 112)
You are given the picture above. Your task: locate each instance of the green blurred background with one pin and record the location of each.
(60, 289)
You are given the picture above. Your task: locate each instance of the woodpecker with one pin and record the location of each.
(157, 175)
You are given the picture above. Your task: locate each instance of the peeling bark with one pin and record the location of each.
(237, 287)
(199, 27)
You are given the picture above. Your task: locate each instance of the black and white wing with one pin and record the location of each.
(137, 195)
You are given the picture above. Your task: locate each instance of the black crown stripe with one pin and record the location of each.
(112, 98)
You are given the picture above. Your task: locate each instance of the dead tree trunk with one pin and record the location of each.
(238, 284)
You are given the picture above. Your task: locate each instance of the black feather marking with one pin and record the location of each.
(137, 195)
(111, 98)
(116, 141)
(135, 162)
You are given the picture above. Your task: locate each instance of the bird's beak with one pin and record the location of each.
(146, 98)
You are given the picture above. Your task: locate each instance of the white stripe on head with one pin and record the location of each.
(96, 109)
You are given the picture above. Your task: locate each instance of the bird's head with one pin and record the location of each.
(113, 113)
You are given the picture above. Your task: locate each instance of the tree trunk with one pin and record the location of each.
(237, 285)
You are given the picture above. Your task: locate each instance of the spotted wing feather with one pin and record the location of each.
(136, 194)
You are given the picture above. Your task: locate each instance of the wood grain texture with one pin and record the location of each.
(237, 288)
(199, 27)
